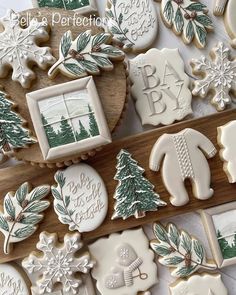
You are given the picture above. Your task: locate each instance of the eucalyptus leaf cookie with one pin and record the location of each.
(133, 24)
(19, 48)
(188, 19)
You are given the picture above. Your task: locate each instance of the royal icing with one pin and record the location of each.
(219, 7)
(187, 18)
(219, 75)
(21, 214)
(204, 284)
(160, 87)
(12, 133)
(12, 280)
(80, 198)
(183, 156)
(85, 55)
(133, 24)
(134, 194)
(125, 267)
(179, 251)
(18, 48)
(58, 264)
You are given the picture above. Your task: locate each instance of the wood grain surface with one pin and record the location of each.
(112, 86)
(104, 162)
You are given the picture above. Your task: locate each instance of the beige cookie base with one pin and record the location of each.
(228, 17)
(104, 163)
(112, 88)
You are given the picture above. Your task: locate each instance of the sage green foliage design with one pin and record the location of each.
(21, 213)
(134, 194)
(228, 251)
(178, 250)
(85, 55)
(188, 18)
(66, 4)
(118, 30)
(61, 202)
(12, 132)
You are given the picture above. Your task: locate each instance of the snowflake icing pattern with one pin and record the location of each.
(58, 263)
(220, 75)
(18, 48)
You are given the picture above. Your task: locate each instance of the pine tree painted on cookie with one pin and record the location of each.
(93, 126)
(12, 132)
(66, 4)
(134, 194)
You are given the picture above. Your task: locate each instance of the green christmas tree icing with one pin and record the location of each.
(93, 126)
(134, 194)
(52, 136)
(12, 133)
(66, 132)
(83, 132)
(228, 251)
(66, 4)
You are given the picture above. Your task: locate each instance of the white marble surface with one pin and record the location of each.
(131, 124)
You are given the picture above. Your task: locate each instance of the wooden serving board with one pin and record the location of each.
(104, 162)
(113, 96)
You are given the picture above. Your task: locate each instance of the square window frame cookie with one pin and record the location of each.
(77, 147)
(207, 219)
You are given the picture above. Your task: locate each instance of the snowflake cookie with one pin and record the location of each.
(219, 76)
(18, 48)
(178, 250)
(59, 264)
(21, 213)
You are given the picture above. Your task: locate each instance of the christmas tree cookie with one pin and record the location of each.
(134, 194)
(12, 133)
(80, 198)
(133, 24)
(179, 251)
(21, 214)
(187, 18)
(58, 263)
(125, 264)
(86, 55)
(218, 76)
(19, 48)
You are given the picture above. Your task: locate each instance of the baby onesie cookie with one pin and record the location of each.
(134, 194)
(204, 284)
(21, 214)
(12, 133)
(80, 198)
(218, 75)
(183, 156)
(13, 281)
(160, 87)
(178, 250)
(86, 55)
(125, 263)
(226, 140)
(58, 264)
(133, 24)
(19, 48)
(187, 18)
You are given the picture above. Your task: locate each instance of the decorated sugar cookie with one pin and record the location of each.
(19, 48)
(80, 6)
(187, 18)
(134, 194)
(58, 264)
(125, 263)
(179, 251)
(204, 284)
(218, 76)
(226, 139)
(86, 55)
(133, 24)
(13, 281)
(219, 7)
(80, 198)
(160, 87)
(12, 133)
(22, 213)
(183, 156)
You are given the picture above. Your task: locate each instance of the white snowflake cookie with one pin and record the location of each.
(59, 263)
(19, 48)
(218, 76)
